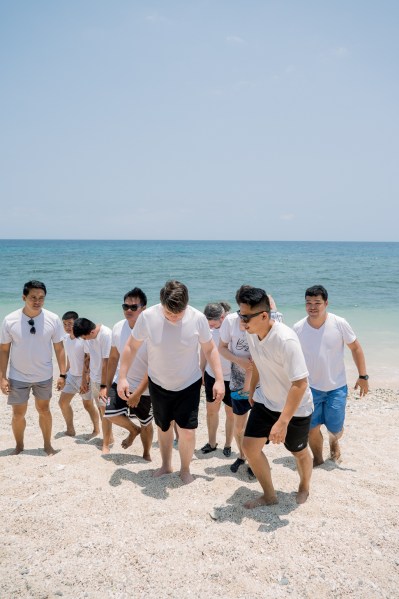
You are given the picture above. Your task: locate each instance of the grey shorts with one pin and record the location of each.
(72, 386)
(19, 391)
(94, 393)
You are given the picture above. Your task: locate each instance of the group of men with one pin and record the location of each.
(148, 367)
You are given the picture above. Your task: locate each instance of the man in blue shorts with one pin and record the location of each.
(323, 337)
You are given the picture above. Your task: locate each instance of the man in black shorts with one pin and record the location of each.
(282, 403)
(138, 404)
(173, 330)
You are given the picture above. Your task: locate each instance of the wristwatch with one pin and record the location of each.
(62, 376)
(364, 377)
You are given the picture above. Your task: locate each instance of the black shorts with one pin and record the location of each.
(181, 406)
(209, 382)
(116, 406)
(261, 421)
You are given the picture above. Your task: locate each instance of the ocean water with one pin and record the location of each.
(91, 277)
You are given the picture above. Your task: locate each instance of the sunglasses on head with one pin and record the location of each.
(132, 307)
(31, 323)
(247, 317)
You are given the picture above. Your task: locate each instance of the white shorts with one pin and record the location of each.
(94, 393)
(72, 386)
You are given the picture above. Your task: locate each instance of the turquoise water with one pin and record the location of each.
(91, 277)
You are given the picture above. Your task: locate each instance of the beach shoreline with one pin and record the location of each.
(79, 524)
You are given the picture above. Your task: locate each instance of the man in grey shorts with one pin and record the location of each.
(74, 384)
(28, 336)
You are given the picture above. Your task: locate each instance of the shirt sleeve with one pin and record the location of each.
(204, 332)
(140, 332)
(59, 332)
(225, 333)
(5, 336)
(348, 333)
(294, 360)
(106, 346)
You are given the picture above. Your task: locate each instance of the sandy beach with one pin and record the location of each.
(81, 525)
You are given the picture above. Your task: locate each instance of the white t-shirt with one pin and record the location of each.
(75, 351)
(98, 348)
(226, 364)
(31, 354)
(280, 361)
(324, 351)
(138, 369)
(237, 342)
(173, 348)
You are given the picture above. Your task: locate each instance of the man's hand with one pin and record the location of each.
(103, 393)
(123, 389)
(60, 383)
(218, 391)
(134, 399)
(278, 432)
(363, 387)
(5, 386)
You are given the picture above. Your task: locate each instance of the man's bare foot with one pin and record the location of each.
(317, 462)
(186, 477)
(19, 449)
(301, 496)
(111, 441)
(70, 432)
(335, 452)
(105, 449)
(93, 434)
(260, 501)
(128, 441)
(147, 457)
(161, 471)
(49, 450)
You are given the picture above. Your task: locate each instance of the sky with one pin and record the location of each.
(199, 119)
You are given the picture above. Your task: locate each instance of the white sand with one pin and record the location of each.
(79, 525)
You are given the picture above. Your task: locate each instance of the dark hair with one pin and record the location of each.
(136, 292)
(34, 285)
(174, 296)
(215, 310)
(83, 326)
(69, 315)
(317, 290)
(253, 297)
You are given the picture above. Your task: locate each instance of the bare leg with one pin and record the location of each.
(186, 450)
(229, 425)
(107, 431)
(127, 424)
(316, 445)
(212, 421)
(304, 464)
(335, 450)
(239, 427)
(165, 439)
(147, 435)
(45, 423)
(91, 409)
(257, 460)
(67, 412)
(18, 424)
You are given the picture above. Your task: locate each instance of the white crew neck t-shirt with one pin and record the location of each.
(324, 351)
(75, 351)
(31, 354)
(280, 361)
(173, 348)
(98, 348)
(121, 332)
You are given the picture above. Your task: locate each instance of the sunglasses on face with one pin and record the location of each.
(31, 323)
(132, 307)
(247, 317)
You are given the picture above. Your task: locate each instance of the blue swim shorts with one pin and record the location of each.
(329, 409)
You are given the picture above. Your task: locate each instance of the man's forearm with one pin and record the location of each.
(294, 398)
(359, 360)
(4, 357)
(213, 359)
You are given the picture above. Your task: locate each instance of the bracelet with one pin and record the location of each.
(62, 376)
(103, 386)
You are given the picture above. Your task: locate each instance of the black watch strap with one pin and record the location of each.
(364, 377)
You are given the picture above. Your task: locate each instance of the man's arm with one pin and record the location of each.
(241, 361)
(4, 357)
(129, 353)
(85, 374)
(112, 365)
(103, 385)
(134, 399)
(211, 354)
(294, 398)
(253, 383)
(360, 361)
(61, 360)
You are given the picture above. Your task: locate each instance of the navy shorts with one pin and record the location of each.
(209, 382)
(180, 406)
(261, 421)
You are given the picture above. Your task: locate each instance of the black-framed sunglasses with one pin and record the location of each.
(31, 323)
(132, 307)
(247, 317)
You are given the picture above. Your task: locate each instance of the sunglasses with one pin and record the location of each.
(247, 317)
(31, 323)
(132, 307)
